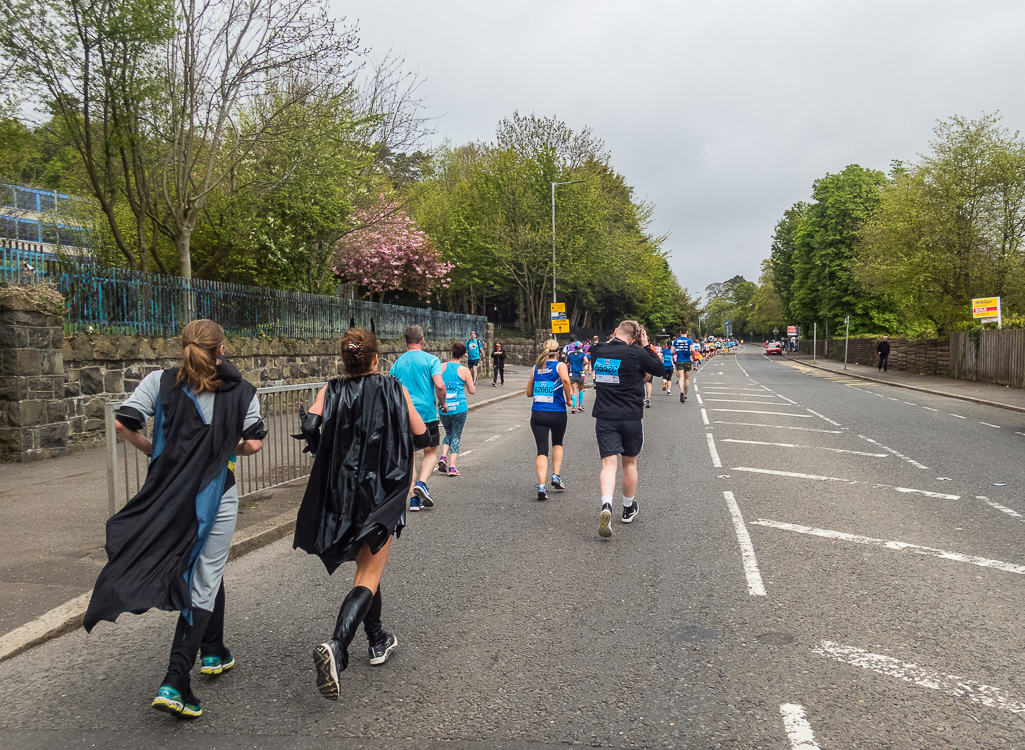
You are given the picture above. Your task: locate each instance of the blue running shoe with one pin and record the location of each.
(170, 701)
(421, 491)
(215, 665)
(414, 503)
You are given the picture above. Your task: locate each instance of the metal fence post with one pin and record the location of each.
(108, 418)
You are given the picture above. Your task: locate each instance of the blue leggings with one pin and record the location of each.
(453, 424)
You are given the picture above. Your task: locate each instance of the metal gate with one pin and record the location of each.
(280, 461)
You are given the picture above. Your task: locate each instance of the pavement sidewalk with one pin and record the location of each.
(1001, 396)
(52, 531)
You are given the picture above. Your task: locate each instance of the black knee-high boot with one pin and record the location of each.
(213, 638)
(372, 625)
(332, 658)
(187, 639)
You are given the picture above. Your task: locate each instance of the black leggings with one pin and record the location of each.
(499, 371)
(543, 421)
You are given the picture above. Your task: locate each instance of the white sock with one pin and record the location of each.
(606, 499)
(627, 501)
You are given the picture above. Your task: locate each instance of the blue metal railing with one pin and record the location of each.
(115, 300)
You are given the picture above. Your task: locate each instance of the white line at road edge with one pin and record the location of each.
(1001, 508)
(755, 587)
(820, 416)
(704, 417)
(711, 449)
(698, 397)
(798, 729)
(982, 562)
(951, 684)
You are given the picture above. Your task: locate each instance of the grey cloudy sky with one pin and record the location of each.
(722, 112)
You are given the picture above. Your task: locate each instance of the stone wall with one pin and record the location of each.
(97, 369)
(33, 423)
(926, 356)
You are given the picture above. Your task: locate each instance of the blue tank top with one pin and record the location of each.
(667, 357)
(455, 389)
(548, 391)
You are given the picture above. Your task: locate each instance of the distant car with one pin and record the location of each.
(774, 347)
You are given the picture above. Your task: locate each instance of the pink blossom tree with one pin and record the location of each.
(387, 251)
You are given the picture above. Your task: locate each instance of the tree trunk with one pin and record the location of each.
(182, 242)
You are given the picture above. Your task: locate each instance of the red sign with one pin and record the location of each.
(791, 330)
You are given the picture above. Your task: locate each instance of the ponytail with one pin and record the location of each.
(547, 349)
(200, 341)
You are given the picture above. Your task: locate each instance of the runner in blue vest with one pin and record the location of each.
(473, 351)
(458, 380)
(576, 361)
(667, 365)
(682, 347)
(549, 388)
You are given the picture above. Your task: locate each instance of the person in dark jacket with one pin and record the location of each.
(620, 369)
(883, 350)
(168, 546)
(363, 431)
(498, 360)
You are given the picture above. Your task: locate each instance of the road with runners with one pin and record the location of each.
(818, 562)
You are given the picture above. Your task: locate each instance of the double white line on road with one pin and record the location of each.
(755, 587)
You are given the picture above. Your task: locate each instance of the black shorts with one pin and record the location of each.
(619, 437)
(541, 422)
(434, 432)
(668, 374)
(577, 380)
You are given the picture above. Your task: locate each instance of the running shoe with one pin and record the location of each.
(170, 701)
(682, 398)
(647, 403)
(629, 512)
(325, 658)
(443, 465)
(542, 493)
(494, 385)
(379, 652)
(215, 665)
(453, 471)
(605, 521)
(557, 482)
(421, 491)
(414, 503)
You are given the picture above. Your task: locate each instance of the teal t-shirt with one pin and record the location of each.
(416, 370)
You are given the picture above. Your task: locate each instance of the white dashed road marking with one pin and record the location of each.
(911, 461)
(958, 416)
(493, 437)
(755, 587)
(982, 562)
(798, 729)
(704, 416)
(1001, 508)
(990, 425)
(951, 684)
(781, 427)
(820, 416)
(930, 408)
(712, 451)
(818, 447)
(774, 413)
(798, 475)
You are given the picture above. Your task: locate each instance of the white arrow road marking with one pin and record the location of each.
(798, 729)
(982, 562)
(951, 684)
(755, 587)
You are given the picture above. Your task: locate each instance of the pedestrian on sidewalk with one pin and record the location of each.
(498, 360)
(473, 352)
(620, 368)
(883, 350)
(458, 380)
(420, 373)
(363, 430)
(549, 390)
(168, 546)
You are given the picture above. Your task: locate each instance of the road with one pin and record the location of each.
(817, 563)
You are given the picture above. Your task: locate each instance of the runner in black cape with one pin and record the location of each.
(363, 430)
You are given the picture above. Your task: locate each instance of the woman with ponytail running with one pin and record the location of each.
(363, 431)
(168, 546)
(549, 388)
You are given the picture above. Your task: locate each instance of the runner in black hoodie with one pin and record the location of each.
(620, 367)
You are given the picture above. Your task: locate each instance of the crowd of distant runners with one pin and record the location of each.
(167, 548)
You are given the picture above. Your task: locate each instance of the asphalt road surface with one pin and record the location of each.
(817, 563)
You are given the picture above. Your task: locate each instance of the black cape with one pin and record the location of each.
(360, 478)
(153, 543)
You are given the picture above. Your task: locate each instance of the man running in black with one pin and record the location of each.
(620, 367)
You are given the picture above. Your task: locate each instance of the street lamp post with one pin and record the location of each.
(571, 182)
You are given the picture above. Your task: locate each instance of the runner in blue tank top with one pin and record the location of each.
(575, 361)
(458, 379)
(550, 390)
(682, 346)
(667, 365)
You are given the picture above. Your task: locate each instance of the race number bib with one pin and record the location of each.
(451, 399)
(544, 391)
(607, 370)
